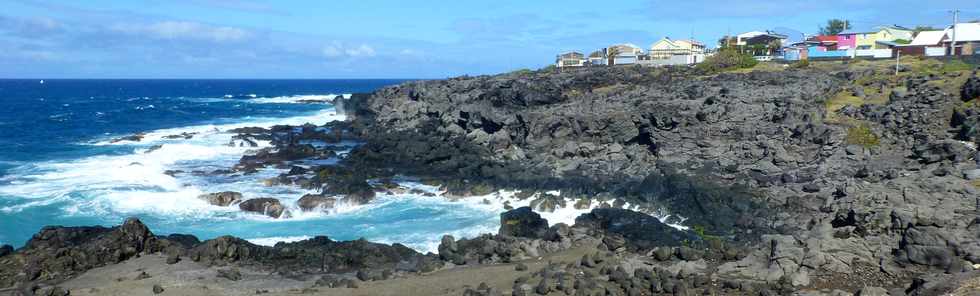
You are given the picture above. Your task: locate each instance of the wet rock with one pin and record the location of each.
(266, 206)
(132, 138)
(640, 231)
(522, 222)
(313, 202)
(222, 199)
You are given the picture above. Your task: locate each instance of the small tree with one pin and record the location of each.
(924, 28)
(726, 41)
(835, 26)
(611, 54)
(774, 46)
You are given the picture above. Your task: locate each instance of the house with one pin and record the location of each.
(570, 59)
(762, 45)
(967, 38)
(848, 39)
(624, 54)
(885, 33)
(826, 42)
(598, 57)
(927, 43)
(758, 38)
(665, 48)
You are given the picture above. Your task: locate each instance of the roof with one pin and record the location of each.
(849, 32)
(966, 32)
(826, 38)
(889, 43)
(894, 27)
(571, 54)
(597, 54)
(928, 38)
(694, 42)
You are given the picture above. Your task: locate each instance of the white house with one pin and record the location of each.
(967, 38)
(624, 54)
(570, 59)
(929, 43)
(672, 52)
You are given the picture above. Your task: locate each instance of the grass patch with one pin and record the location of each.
(976, 183)
(838, 101)
(861, 134)
(956, 66)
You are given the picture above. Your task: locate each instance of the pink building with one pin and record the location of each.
(847, 40)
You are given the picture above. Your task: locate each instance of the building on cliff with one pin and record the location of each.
(674, 52)
(598, 58)
(624, 54)
(570, 59)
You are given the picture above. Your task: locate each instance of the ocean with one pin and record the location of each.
(59, 164)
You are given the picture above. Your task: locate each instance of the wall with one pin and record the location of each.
(673, 60)
(874, 53)
(935, 51)
(815, 52)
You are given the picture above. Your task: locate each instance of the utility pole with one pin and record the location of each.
(956, 19)
(898, 58)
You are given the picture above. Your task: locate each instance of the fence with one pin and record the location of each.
(874, 53)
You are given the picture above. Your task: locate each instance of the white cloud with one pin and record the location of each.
(175, 30)
(363, 50)
(338, 50)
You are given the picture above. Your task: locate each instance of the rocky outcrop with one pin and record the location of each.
(756, 160)
(522, 222)
(57, 253)
(267, 206)
(222, 199)
(314, 202)
(639, 232)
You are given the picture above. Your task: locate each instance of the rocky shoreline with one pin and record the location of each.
(784, 184)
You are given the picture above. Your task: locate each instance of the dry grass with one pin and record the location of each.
(839, 101)
(762, 67)
(611, 89)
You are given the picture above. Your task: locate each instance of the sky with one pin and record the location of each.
(388, 38)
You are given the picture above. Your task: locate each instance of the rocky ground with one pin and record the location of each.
(830, 179)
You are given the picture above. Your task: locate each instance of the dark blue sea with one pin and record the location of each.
(59, 164)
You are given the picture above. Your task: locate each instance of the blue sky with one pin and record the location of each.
(385, 38)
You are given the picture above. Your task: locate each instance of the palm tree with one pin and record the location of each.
(611, 54)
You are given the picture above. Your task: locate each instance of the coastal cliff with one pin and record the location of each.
(828, 179)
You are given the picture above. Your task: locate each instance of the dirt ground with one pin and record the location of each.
(194, 279)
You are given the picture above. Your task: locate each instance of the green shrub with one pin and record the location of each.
(727, 59)
(801, 64)
(861, 134)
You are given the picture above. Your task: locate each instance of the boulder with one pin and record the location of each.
(640, 231)
(971, 89)
(5, 250)
(313, 202)
(522, 222)
(222, 199)
(266, 206)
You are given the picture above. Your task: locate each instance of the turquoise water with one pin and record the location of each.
(58, 165)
